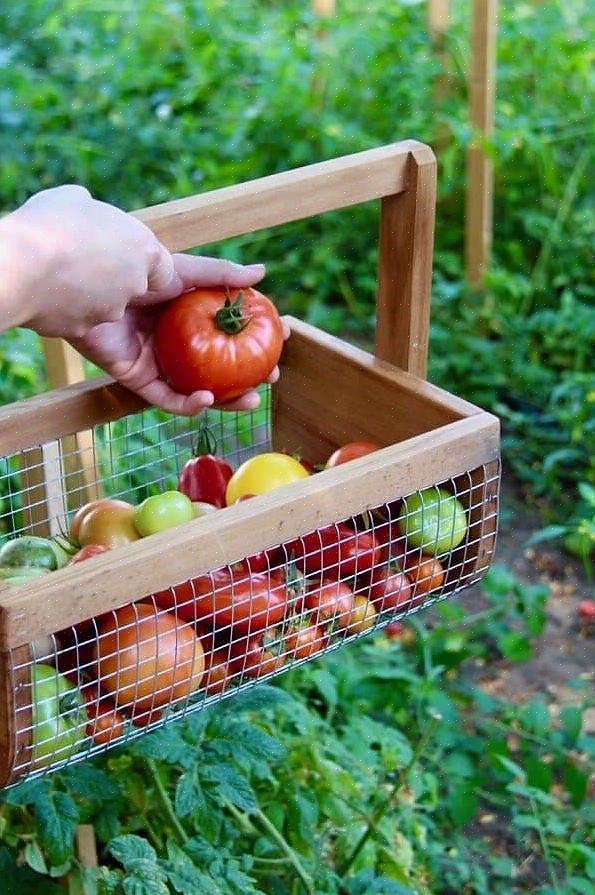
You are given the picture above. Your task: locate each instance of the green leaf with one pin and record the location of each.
(34, 857)
(184, 875)
(575, 782)
(326, 685)
(84, 779)
(257, 698)
(189, 796)
(166, 744)
(539, 774)
(515, 647)
(572, 721)
(462, 804)
(233, 786)
(57, 817)
(147, 879)
(17, 880)
(129, 848)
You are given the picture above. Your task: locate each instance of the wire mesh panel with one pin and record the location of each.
(109, 678)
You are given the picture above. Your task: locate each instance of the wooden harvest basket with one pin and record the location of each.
(66, 447)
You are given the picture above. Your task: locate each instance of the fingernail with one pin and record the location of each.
(256, 268)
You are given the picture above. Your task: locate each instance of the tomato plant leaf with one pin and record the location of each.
(572, 722)
(189, 796)
(84, 779)
(166, 744)
(17, 880)
(57, 816)
(515, 647)
(128, 848)
(575, 782)
(232, 786)
(462, 804)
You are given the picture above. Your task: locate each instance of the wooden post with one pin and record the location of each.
(438, 14)
(479, 167)
(324, 8)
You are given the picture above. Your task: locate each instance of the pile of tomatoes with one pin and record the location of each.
(242, 621)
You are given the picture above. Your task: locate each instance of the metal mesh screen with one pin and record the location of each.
(110, 678)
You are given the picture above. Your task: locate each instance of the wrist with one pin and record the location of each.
(19, 259)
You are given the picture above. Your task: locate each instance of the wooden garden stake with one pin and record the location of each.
(324, 8)
(480, 176)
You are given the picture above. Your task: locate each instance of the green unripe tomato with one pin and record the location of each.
(434, 521)
(14, 576)
(29, 551)
(58, 716)
(162, 511)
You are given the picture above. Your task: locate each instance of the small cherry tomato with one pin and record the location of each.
(425, 573)
(258, 655)
(262, 473)
(106, 723)
(304, 641)
(351, 451)
(387, 590)
(218, 668)
(586, 610)
(331, 604)
(363, 616)
(401, 632)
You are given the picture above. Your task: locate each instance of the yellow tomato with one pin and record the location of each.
(262, 473)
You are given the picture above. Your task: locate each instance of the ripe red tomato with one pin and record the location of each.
(331, 604)
(147, 658)
(225, 341)
(351, 451)
(304, 641)
(204, 478)
(219, 666)
(387, 590)
(399, 631)
(106, 723)
(425, 573)
(257, 655)
(336, 551)
(233, 597)
(586, 610)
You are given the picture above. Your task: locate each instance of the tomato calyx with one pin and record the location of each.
(230, 318)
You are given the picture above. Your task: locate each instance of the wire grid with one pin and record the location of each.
(203, 640)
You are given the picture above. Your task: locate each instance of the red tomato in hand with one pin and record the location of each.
(336, 551)
(225, 341)
(351, 451)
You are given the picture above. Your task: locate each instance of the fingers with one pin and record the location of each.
(191, 270)
(162, 272)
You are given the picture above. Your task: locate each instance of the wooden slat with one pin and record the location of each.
(438, 15)
(330, 392)
(42, 490)
(54, 414)
(405, 268)
(64, 366)
(480, 175)
(281, 198)
(15, 713)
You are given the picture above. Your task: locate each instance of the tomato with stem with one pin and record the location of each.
(226, 341)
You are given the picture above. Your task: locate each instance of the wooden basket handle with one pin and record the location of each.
(402, 175)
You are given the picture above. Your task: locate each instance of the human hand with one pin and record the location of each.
(124, 348)
(71, 262)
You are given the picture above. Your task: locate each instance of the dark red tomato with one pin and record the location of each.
(586, 610)
(351, 451)
(142, 718)
(387, 590)
(336, 551)
(87, 552)
(224, 340)
(219, 667)
(178, 599)
(303, 642)
(233, 597)
(257, 655)
(106, 723)
(331, 604)
(205, 476)
(426, 573)
(401, 632)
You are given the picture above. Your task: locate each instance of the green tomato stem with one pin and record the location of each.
(166, 802)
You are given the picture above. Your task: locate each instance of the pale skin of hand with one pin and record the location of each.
(84, 270)
(124, 348)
